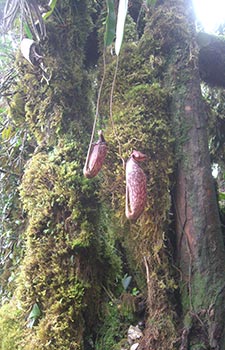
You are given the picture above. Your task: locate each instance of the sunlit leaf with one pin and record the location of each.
(35, 312)
(121, 18)
(110, 29)
(52, 5)
(6, 133)
(34, 315)
(126, 281)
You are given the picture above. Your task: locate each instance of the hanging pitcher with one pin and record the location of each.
(95, 157)
(136, 186)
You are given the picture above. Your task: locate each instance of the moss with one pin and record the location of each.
(142, 121)
(70, 255)
(69, 252)
(58, 231)
(117, 317)
(60, 313)
(17, 107)
(11, 324)
(47, 108)
(193, 293)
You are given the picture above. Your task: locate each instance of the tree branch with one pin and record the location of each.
(212, 59)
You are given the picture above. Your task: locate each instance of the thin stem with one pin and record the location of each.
(97, 109)
(111, 111)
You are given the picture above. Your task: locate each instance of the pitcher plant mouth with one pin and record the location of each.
(138, 156)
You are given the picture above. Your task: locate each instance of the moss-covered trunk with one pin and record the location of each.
(66, 252)
(78, 242)
(199, 249)
(160, 102)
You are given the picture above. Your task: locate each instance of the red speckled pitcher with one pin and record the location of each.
(136, 186)
(96, 157)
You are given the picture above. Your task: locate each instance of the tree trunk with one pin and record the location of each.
(200, 250)
(199, 244)
(75, 227)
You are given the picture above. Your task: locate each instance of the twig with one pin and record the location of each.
(184, 339)
(147, 270)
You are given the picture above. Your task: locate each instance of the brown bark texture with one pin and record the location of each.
(200, 254)
(200, 249)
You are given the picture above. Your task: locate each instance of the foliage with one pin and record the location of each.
(117, 315)
(110, 333)
(115, 27)
(30, 13)
(118, 312)
(68, 248)
(10, 326)
(16, 144)
(7, 53)
(121, 18)
(52, 8)
(34, 315)
(110, 23)
(126, 281)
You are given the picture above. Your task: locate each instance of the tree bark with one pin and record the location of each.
(200, 250)
(200, 254)
(170, 44)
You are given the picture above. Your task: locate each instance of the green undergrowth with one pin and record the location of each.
(113, 331)
(11, 325)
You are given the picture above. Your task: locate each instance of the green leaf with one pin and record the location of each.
(126, 281)
(135, 292)
(221, 196)
(2, 110)
(6, 133)
(34, 315)
(35, 312)
(52, 5)
(121, 18)
(110, 28)
(27, 31)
